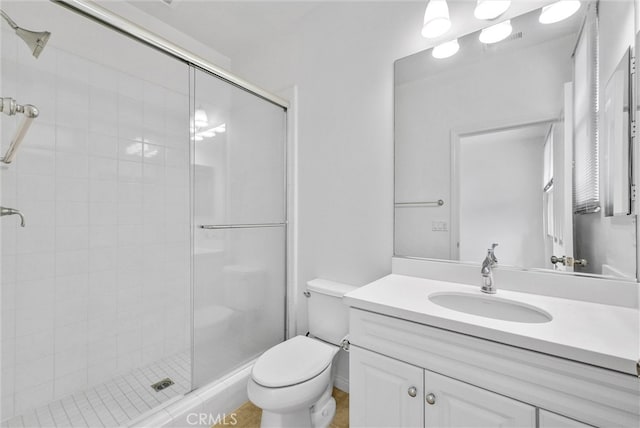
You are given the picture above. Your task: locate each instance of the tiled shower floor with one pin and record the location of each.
(113, 403)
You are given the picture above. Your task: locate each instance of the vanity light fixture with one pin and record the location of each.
(491, 9)
(496, 33)
(558, 11)
(445, 50)
(436, 19)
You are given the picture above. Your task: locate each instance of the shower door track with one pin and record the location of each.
(104, 16)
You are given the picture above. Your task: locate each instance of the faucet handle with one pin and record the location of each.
(491, 253)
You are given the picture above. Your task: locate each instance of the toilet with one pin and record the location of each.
(293, 381)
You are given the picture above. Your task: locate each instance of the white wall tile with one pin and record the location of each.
(71, 139)
(130, 213)
(71, 383)
(102, 145)
(70, 335)
(28, 398)
(77, 281)
(37, 213)
(72, 286)
(70, 360)
(37, 187)
(8, 347)
(33, 347)
(70, 310)
(40, 136)
(102, 350)
(35, 238)
(103, 213)
(72, 262)
(8, 318)
(103, 190)
(103, 168)
(75, 165)
(35, 161)
(101, 372)
(102, 326)
(25, 266)
(103, 236)
(103, 258)
(34, 373)
(130, 171)
(72, 189)
(71, 238)
(30, 322)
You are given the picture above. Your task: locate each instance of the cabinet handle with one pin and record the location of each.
(431, 399)
(412, 391)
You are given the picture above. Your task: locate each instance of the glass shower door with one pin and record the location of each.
(238, 172)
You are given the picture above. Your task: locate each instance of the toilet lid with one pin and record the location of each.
(293, 361)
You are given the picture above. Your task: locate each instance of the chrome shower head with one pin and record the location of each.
(36, 40)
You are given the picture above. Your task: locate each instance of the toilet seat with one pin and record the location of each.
(292, 362)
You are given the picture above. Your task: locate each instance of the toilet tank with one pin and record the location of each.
(328, 316)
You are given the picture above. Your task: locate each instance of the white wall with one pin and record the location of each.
(341, 59)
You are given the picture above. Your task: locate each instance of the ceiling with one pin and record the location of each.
(234, 27)
(230, 27)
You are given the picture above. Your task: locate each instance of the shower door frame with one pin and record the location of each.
(117, 23)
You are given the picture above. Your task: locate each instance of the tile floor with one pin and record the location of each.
(113, 403)
(248, 415)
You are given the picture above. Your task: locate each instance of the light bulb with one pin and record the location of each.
(200, 118)
(436, 19)
(496, 33)
(446, 50)
(558, 11)
(491, 9)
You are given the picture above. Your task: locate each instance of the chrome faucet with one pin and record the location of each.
(488, 264)
(12, 211)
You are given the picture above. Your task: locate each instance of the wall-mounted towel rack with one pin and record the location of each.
(437, 203)
(10, 107)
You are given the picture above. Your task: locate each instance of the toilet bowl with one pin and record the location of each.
(293, 381)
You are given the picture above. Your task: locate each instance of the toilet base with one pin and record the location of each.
(322, 416)
(300, 419)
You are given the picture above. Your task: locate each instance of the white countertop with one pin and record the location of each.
(602, 335)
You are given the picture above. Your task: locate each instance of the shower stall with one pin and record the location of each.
(153, 191)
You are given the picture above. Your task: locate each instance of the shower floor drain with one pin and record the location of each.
(164, 383)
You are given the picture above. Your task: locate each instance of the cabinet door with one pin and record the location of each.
(552, 420)
(384, 392)
(451, 403)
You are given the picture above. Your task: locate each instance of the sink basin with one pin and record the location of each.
(491, 307)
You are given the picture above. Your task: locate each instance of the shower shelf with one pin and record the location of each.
(10, 107)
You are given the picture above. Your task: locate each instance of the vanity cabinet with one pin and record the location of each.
(406, 374)
(385, 392)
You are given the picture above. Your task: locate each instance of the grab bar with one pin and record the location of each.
(437, 203)
(10, 107)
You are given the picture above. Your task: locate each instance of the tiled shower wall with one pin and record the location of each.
(97, 283)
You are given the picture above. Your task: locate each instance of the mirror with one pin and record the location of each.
(513, 143)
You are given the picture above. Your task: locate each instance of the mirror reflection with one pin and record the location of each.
(509, 142)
